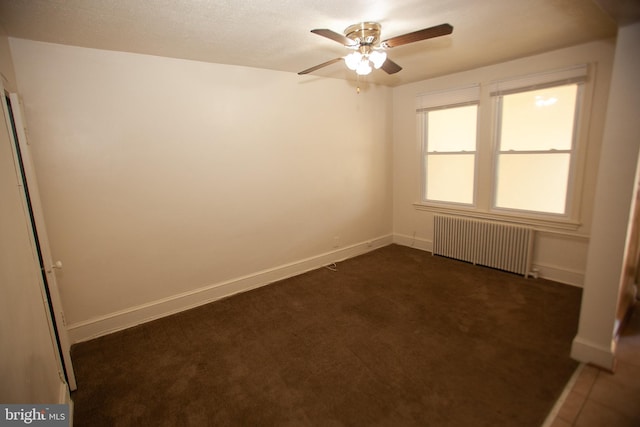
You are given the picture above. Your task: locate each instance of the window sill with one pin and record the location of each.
(535, 222)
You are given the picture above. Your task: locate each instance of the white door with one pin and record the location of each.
(23, 159)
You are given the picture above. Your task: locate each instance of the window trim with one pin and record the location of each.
(518, 218)
(569, 75)
(571, 201)
(484, 186)
(450, 96)
(438, 100)
(424, 153)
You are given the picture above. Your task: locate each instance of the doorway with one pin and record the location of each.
(22, 158)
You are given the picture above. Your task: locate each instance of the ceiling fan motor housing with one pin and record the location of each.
(364, 33)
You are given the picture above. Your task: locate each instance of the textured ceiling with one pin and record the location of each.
(276, 34)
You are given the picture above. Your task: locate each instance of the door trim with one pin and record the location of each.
(33, 207)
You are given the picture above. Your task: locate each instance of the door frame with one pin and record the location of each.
(39, 238)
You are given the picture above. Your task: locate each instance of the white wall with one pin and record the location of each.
(29, 367)
(7, 72)
(168, 182)
(607, 280)
(559, 256)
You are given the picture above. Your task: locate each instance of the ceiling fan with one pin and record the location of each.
(363, 39)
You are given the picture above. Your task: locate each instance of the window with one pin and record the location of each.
(536, 149)
(513, 153)
(449, 133)
(450, 154)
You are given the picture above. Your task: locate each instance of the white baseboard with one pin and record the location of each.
(93, 328)
(413, 242)
(560, 274)
(103, 325)
(64, 398)
(545, 271)
(589, 352)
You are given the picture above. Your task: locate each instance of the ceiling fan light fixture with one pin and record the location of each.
(364, 67)
(352, 60)
(377, 58)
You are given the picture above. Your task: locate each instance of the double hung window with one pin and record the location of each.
(524, 163)
(535, 147)
(449, 138)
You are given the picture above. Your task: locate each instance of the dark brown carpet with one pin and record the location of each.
(395, 337)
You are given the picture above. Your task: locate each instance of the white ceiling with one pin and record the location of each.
(276, 35)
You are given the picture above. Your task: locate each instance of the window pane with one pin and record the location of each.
(533, 182)
(539, 120)
(452, 129)
(450, 178)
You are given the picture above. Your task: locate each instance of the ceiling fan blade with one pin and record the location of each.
(334, 36)
(416, 36)
(390, 67)
(317, 67)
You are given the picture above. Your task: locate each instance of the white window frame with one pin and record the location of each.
(439, 100)
(486, 147)
(573, 75)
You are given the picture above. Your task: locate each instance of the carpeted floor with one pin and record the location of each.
(395, 337)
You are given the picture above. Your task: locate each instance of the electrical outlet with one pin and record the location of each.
(336, 241)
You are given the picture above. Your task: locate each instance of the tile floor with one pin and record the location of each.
(599, 398)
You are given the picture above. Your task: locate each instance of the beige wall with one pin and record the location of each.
(166, 180)
(162, 177)
(7, 72)
(558, 256)
(29, 367)
(608, 283)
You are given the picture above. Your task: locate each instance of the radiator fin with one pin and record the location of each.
(493, 244)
